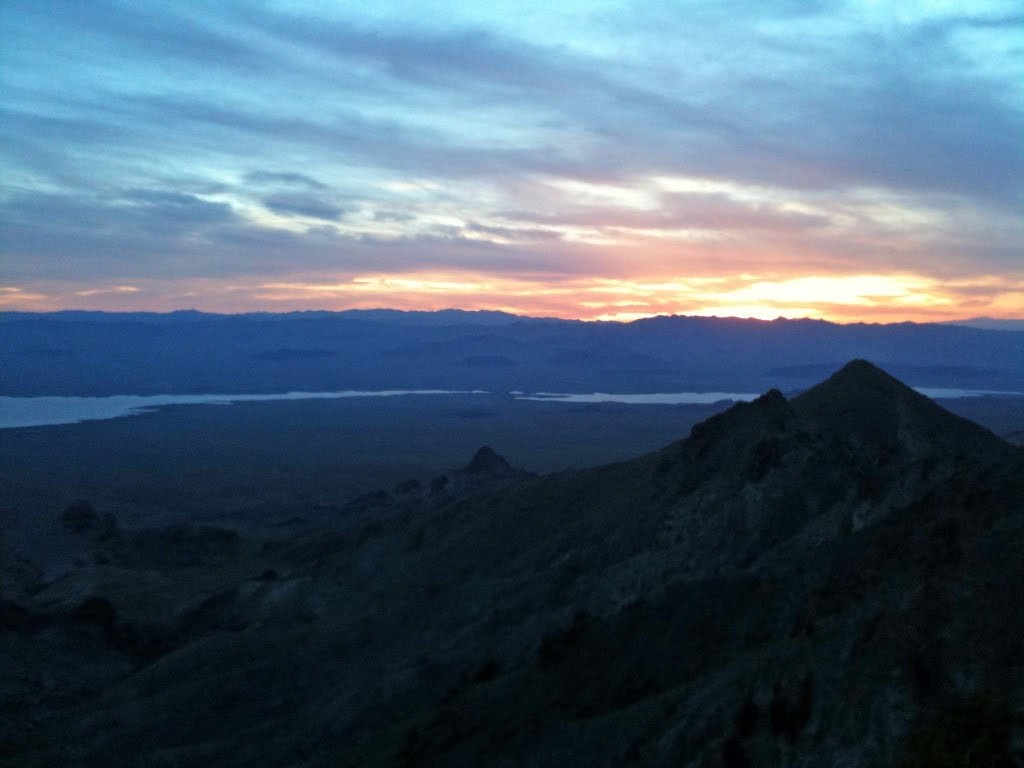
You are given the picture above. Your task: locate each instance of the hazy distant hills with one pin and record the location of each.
(992, 323)
(90, 353)
(826, 580)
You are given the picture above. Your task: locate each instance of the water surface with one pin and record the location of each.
(655, 398)
(50, 410)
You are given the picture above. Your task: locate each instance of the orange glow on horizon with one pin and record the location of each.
(840, 298)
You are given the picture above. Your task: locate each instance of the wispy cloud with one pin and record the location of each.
(115, 289)
(308, 206)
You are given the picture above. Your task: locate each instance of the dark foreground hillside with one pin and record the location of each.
(831, 580)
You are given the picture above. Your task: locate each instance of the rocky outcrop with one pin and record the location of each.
(81, 519)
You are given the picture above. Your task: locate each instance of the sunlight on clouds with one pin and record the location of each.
(645, 212)
(857, 206)
(860, 290)
(756, 311)
(610, 304)
(644, 288)
(104, 291)
(410, 186)
(850, 298)
(689, 234)
(749, 296)
(621, 317)
(264, 218)
(389, 284)
(15, 297)
(604, 299)
(1007, 304)
(411, 285)
(780, 198)
(894, 211)
(588, 237)
(384, 285)
(694, 185)
(608, 195)
(442, 220)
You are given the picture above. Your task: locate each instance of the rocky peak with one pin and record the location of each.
(730, 433)
(864, 404)
(858, 382)
(487, 462)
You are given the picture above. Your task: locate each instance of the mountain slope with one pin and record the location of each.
(803, 582)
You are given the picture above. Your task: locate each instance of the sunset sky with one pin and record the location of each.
(591, 159)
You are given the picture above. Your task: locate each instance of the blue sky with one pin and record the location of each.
(857, 161)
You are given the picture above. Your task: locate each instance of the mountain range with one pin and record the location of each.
(830, 579)
(93, 353)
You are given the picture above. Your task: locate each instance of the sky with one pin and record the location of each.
(853, 161)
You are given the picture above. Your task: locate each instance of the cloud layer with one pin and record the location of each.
(208, 154)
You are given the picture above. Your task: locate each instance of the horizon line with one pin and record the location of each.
(367, 310)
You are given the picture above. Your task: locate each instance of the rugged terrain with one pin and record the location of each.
(830, 580)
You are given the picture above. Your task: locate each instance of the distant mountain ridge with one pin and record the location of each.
(438, 317)
(992, 323)
(189, 352)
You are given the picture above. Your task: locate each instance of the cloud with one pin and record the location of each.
(205, 143)
(283, 178)
(133, 212)
(788, 109)
(392, 216)
(15, 297)
(303, 205)
(116, 290)
(512, 234)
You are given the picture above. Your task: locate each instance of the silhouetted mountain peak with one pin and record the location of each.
(769, 411)
(861, 367)
(726, 444)
(862, 402)
(861, 395)
(858, 375)
(487, 462)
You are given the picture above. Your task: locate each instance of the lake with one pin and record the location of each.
(51, 410)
